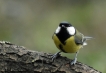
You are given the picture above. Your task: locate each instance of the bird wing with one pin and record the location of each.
(79, 38)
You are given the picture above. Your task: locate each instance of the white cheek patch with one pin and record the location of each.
(58, 29)
(71, 30)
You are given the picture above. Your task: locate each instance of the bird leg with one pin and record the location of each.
(75, 59)
(56, 55)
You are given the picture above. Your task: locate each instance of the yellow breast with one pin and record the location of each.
(69, 47)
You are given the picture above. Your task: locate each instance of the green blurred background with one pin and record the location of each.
(31, 23)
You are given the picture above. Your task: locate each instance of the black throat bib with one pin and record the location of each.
(63, 35)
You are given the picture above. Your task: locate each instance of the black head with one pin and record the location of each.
(65, 24)
(65, 27)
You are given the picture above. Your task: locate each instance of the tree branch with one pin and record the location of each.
(18, 58)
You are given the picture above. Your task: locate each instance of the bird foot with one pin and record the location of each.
(55, 56)
(73, 62)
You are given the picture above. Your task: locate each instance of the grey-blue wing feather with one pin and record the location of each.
(79, 38)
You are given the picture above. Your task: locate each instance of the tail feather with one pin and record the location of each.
(88, 38)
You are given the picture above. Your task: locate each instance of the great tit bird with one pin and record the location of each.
(68, 40)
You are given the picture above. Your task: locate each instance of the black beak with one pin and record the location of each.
(63, 26)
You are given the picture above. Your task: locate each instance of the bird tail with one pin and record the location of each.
(86, 38)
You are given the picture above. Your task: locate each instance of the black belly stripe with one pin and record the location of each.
(61, 48)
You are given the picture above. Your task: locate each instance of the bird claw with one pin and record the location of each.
(74, 61)
(55, 56)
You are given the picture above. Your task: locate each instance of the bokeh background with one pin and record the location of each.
(31, 23)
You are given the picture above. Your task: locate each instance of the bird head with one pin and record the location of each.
(65, 27)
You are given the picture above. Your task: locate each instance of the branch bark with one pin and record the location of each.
(18, 58)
